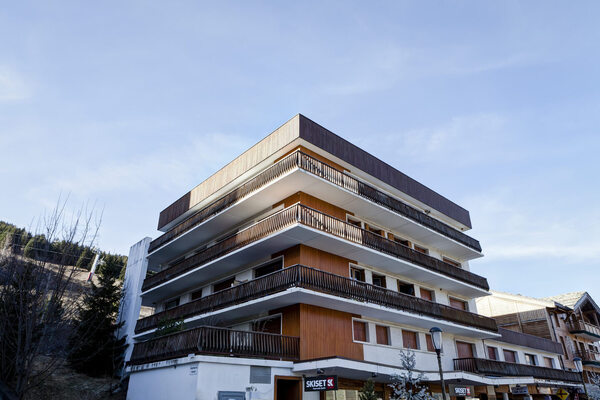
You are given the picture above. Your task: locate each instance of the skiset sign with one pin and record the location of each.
(320, 383)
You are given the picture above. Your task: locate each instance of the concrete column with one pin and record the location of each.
(504, 396)
(131, 302)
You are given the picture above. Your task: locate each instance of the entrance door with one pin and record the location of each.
(288, 388)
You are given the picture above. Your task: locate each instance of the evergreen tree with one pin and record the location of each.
(35, 248)
(96, 350)
(85, 259)
(112, 264)
(368, 391)
(408, 385)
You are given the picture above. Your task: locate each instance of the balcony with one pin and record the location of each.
(499, 368)
(300, 276)
(526, 340)
(588, 357)
(584, 330)
(319, 230)
(360, 196)
(209, 340)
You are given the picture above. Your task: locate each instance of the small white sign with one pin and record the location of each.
(194, 370)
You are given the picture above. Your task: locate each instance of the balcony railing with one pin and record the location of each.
(216, 341)
(579, 326)
(299, 214)
(499, 368)
(309, 278)
(526, 340)
(588, 356)
(330, 174)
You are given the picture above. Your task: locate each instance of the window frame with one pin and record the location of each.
(366, 324)
(387, 333)
(416, 333)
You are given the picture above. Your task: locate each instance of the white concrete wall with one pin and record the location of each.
(203, 379)
(131, 303)
(520, 350)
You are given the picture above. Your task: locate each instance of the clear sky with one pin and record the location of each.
(129, 104)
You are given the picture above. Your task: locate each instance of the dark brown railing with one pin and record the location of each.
(500, 368)
(330, 174)
(582, 326)
(526, 340)
(314, 219)
(587, 356)
(320, 281)
(219, 341)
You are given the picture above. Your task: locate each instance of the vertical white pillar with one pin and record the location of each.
(504, 396)
(131, 302)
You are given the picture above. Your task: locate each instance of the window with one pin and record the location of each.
(354, 221)
(429, 341)
(360, 331)
(196, 295)
(379, 280)
(268, 267)
(530, 359)
(409, 340)
(227, 283)
(556, 320)
(401, 241)
(492, 353)
(421, 249)
(510, 356)
(268, 325)
(383, 334)
(374, 229)
(458, 304)
(548, 362)
(406, 288)
(562, 341)
(171, 304)
(357, 274)
(426, 294)
(464, 349)
(451, 262)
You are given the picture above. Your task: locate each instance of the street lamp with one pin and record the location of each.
(579, 368)
(436, 338)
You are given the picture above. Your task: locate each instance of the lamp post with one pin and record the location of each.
(579, 368)
(436, 338)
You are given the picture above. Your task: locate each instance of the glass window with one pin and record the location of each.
(172, 304)
(268, 267)
(400, 240)
(530, 359)
(510, 356)
(451, 262)
(492, 353)
(409, 340)
(383, 334)
(406, 288)
(268, 325)
(357, 274)
(548, 362)
(227, 283)
(421, 249)
(354, 221)
(196, 295)
(379, 280)
(360, 331)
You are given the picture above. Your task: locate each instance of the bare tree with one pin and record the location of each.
(38, 298)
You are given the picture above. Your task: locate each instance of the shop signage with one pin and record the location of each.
(461, 390)
(544, 390)
(519, 390)
(320, 383)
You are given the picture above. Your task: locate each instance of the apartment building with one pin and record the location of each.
(571, 319)
(308, 257)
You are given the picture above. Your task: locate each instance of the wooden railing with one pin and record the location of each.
(582, 326)
(320, 281)
(526, 340)
(217, 341)
(587, 356)
(500, 368)
(324, 171)
(299, 214)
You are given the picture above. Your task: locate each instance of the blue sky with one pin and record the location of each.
(495, 105)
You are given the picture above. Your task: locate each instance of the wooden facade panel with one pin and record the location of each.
(313, 202)
(311, 257)
(327, 333)
(537, 328)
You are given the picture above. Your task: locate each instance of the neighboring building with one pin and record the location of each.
(571, 319)
(307, 255)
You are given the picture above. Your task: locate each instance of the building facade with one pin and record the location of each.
(571, 319)
(307, 256)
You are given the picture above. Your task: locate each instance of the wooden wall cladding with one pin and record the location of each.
(313, 202)
(323, 332)
(311, 257)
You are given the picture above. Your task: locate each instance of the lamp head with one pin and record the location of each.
(436, 338)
